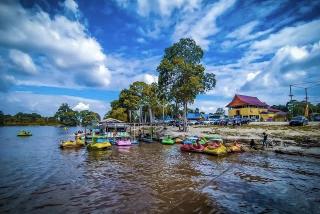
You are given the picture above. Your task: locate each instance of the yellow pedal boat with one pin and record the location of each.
(215, 149)
(24, 133)
(99, 146)
(71, 144)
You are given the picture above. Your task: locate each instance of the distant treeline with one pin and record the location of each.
(295, 107)
(64, 116)
(21, 119)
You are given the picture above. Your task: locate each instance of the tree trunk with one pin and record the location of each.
(85, 135)
(145, 117)
(185, 122)
(162, 113)
(150, 114)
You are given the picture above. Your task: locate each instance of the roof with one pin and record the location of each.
(274, 110)
(111, 120)
(239, 100)
(194, 116)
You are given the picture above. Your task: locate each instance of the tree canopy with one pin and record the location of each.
(181, 76)
(139, 101)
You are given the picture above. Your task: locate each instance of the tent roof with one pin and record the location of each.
(111, 120)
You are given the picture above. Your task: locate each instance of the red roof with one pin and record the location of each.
(240, 100)
(273, 110)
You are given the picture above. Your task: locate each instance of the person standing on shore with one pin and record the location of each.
(252, 144)
(265, 138)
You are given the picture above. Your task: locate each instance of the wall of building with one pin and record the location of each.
(246, 112)
(266, 117)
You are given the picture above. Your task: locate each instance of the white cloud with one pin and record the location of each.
(124, 70)
(71, 5)
(63, 48)
(143, 7)
(165, 7)
(243, 31)
(243, 35)
(23, 61)
(147, 78)
(141, 40)
(252, 75)
(81, 107)
(202, 24)
(123, 3)
(290, 64)
(22, 101)
(301, 34)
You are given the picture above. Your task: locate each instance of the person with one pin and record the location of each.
(252, 144)
(265, 138)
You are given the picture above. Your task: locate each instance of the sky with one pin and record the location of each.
(84, 52)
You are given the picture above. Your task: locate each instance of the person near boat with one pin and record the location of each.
(24, 133)
(265, 138)
(252, 144)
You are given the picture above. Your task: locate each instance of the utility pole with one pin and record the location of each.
(306, 90)
(306, 111)
(290, 95)
(291, 104)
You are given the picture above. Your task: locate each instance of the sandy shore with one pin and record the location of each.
(288, 140)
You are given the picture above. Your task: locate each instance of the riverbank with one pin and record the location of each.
(285, 139)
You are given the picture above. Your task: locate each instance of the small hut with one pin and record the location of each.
(111, 125)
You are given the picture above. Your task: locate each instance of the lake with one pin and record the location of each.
(37, 177)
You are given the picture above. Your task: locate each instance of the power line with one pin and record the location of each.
(304, 83)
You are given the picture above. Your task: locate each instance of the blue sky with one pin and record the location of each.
(85, 52)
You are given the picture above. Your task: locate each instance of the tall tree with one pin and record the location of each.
(118, 113)
(181, 76)
(88, 117)
(66, 115)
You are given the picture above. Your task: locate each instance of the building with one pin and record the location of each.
(194, 116)
(111, 124)
(251, 107)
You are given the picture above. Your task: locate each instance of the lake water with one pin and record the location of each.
(37, 177)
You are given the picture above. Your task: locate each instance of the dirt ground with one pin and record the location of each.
(299, 140)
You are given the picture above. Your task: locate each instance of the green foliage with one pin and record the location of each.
(118, 113)
(181, 76)
(26, 119)
(66, 115)
(283, 108)
(295, 108)
(87, 118)
(139, 96)
(220, 111)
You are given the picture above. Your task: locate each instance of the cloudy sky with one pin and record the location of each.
(85, 52)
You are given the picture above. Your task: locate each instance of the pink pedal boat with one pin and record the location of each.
(124, 142)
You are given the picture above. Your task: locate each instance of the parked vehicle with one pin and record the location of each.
(207, 122)
(245, 121)
(193, 122)
(298, 121)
